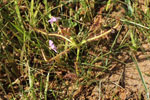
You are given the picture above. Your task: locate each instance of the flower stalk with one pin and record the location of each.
(53, 34)
(99, 36)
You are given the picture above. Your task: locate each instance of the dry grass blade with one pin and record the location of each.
(58, 55)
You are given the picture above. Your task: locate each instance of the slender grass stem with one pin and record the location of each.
(46, 85)
(141, 76)
(77, 60)
(78, 52)
(57, 35)
(99, 36)
(134, 23)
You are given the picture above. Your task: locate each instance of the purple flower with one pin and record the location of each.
(52, 46)
(53, 19)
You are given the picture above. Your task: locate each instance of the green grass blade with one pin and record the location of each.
(108, 5)
(31, 12)
(31, 82)
(130, 9)
(46, 86)
(134, 23)
(46, 6)
(141, 76)
(18, 13)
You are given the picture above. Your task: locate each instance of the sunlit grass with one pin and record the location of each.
(25, 34)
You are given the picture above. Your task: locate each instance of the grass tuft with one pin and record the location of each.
(90, 41)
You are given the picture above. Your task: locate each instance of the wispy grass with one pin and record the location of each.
(25, 32)
(141, 76)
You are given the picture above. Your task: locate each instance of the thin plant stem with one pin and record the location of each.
(57, 35)
(140, 73)
(134, 23)
(77, 60)
(46, 85)
(99, 36)
(78, 52)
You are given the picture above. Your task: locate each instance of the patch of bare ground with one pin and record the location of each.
(122, 83)
(126, 82)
